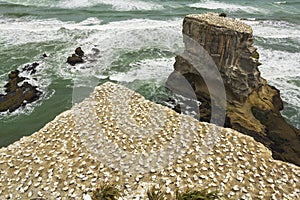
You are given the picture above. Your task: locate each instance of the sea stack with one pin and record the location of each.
(252, 106)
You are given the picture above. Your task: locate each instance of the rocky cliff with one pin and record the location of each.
(219, 55)
(117, 136)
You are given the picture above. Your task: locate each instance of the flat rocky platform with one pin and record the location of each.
(117, 135)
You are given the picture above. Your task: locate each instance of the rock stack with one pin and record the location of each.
(252, 106)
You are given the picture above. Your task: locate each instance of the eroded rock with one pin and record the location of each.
(252, 106)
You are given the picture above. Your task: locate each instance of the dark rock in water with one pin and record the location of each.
(17, 96)
(74, 59)
(13, 74)
(79, 51)
(252, 106)
(13, 80)
(223, 15)
(45, 55)
(31, 68)
(35, 64)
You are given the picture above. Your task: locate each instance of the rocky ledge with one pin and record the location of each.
(220, 45)
(117, 136)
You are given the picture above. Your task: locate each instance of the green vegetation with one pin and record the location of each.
(153, 194)
(255, 55)
(106, 192)
(111, 192)
(197, 195)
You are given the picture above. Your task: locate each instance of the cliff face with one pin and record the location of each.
(252, 106)
(116, 135)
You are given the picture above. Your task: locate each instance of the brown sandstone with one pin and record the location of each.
(252, 106)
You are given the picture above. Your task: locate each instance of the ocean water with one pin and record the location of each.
(131, 42)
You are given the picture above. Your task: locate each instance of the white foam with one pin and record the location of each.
(26, 30)
(121, 5)
(279, 2)
(3, 81)
(90, 21)
(42, 25)
(111, 39)
(213, 5)
(117, 38)
(274, 29)
(278, 68)
(147, 69)
(30, 2)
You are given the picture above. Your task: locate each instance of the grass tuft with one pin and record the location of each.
(255, 55)
(106, 192)
(153, 194)
(197, 195)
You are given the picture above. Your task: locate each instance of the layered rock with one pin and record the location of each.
(222, 46)
(117, 136)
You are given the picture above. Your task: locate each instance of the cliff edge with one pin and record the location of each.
(116, 135)
(252, 106)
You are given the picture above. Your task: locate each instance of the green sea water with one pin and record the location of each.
(131, 42)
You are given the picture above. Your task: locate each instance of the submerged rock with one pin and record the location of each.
(252, 106)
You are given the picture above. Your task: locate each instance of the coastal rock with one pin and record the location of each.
(79, 51)
(74, 59)
(252, 106)
(31, 68)
(77, 57)
(116, 135)
(18, 95)
(223, 15)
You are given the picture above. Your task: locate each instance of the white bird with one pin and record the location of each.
(87, 197)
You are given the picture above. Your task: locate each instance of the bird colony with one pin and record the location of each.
(117, 136)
